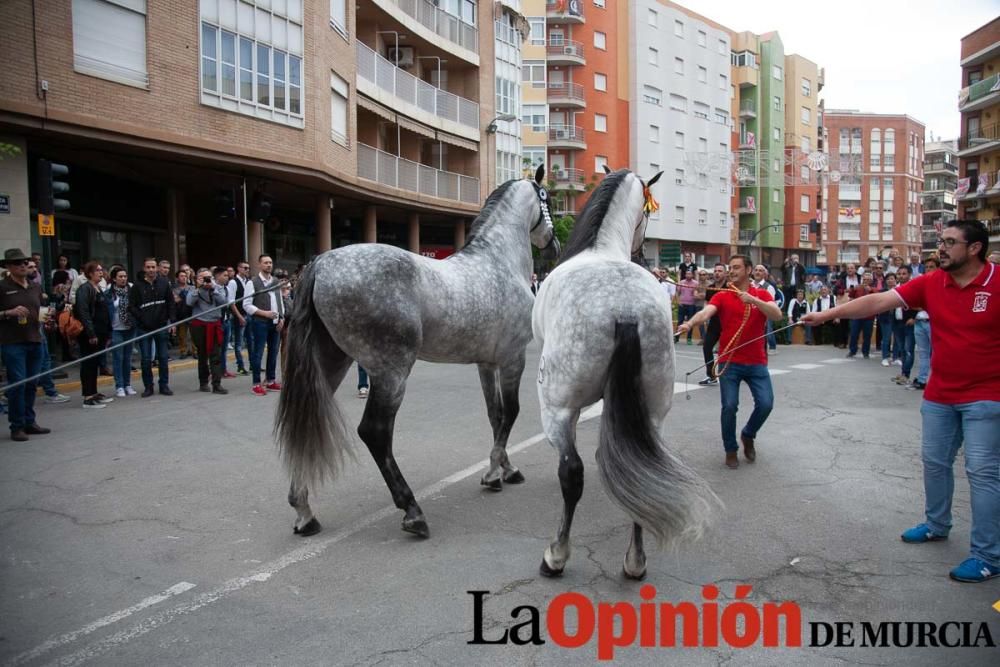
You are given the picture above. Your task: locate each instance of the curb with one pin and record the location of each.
(69, 386)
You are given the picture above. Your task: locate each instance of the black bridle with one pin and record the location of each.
(544, 216)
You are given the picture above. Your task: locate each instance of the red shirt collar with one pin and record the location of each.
(982, 279)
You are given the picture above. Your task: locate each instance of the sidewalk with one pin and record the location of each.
(69, 385)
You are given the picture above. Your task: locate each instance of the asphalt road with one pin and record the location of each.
(156, 531)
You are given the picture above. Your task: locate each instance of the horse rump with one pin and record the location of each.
(654, 487)
(308, 427)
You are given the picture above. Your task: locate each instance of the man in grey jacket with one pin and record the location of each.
(206, 302)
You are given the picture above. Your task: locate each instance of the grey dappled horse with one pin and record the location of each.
(386, 308)
(605, 328)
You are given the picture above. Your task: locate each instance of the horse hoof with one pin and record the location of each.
(635, 577)
(492, 485)
(416, 526)
(547, 571)
(310, 528)
(513, 477)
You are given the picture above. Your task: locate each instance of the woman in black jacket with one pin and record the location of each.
(92, 311)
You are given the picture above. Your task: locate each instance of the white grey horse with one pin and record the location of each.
(605, 327)
(386, 308)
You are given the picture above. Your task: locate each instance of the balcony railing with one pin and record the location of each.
(396, 172)
(967, 96)
(572, 178)
(564, 11)
(978, 135)
(563, 50)
(748, 109)
(574, 133)
(849, 231)
(395, 81)
(441, 22)
(941, 166)
(572, 92)
(747, 235)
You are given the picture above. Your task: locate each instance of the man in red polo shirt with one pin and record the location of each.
(962, 400)
(743, 313)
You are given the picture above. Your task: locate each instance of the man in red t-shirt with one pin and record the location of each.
(962, 400)
(743, 314)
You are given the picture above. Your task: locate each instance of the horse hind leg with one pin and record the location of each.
(376, 430)
(489, 379)
(560, 431)
(305, 524)
(635, 558)
(508, 382)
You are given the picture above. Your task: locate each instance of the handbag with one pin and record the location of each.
(69, 326)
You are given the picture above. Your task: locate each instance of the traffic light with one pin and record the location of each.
(814, 226)
(51, 182)
(260, 207)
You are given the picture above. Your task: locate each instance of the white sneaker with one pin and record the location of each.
(363, 392)
(120, 392)
(885, 362)
(898, 362)
(129, 391)
(58, 398)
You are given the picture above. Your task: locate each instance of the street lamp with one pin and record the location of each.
(506, 117)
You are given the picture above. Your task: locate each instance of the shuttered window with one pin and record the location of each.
(109, 40)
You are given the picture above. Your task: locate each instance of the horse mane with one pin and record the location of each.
(588, 224)
(479, 224)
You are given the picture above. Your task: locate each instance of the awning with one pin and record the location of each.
(376, 108)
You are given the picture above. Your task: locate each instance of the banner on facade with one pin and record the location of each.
(963, 187)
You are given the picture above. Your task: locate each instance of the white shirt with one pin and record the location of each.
(669, 289)
(821, 303)
(249, 292)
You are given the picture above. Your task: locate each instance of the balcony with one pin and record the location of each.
(566, 95)
(748, 142)
(747, 235)
(748, 109)
(980, 94)
(565, 52)
(940, 168)
(439, 22)
(979, 140)
(849, 231)
(569, 137)
(747, 206)
(564, 11)
(568, 179)
(418, 94)
(746, 76)
(396, 172)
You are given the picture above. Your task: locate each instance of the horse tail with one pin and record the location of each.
(655, 488)
(309, 428)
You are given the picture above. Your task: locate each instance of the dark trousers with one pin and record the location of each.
(208, 363)
(863, 327)
(146, 350)
(89, 368)
(21, 360)
(265, 334)
(684, 313)
(712, 333)
(238, 340)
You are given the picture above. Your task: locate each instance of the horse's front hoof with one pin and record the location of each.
(547, 571)
(492, 484)
(417, 526)
(634, 576)
(513, 477)
(311, 528)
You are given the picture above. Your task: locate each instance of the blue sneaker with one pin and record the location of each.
(973, 571)
(920, 534)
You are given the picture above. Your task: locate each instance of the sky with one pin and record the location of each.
(881, 56)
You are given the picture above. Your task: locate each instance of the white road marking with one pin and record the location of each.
(56, 642)
(806, 367)
(838, 360)
(777, 371)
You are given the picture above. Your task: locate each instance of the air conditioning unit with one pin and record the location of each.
(571, 50)
(562, 134)
(401, 56)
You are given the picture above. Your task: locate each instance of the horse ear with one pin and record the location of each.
(540, 174)
(607, 169)
(654, 179)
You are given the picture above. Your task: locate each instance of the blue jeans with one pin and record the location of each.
(946, 428)
(908, 348)
(21, 360)
(759, 381)
(46, 383)
(885, 327)
(227, 331)
(772, 340)
(864, 327)
(122, 357)
(362, 378)
(684, 313)
(922, 337)
(146, 351)
(238, 338)
(265, 333)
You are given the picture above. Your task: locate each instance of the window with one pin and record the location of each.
(338, 109)
(533, 71)
(806, 145)
(804, 173)
(875, 162)
(723, 82)
(776, 133)
(724, 185)
(804, 204)
(679, 28)
(654, 57)
(777, 164)
(887, 183)
(777, 103)
(600, 162)
(654, 134)
(702, 145)
(702, 74)
(702, 38)
(600, 122)
(806, 87)
(721, 116)
(535, 116)
(652, 95)
(723, 218)
(652, 18)
(600, 40)
(599, 4)
(723, 48)
(678, 140)
(531, 157)
(679, 176)
(743, 59)
(702, 216)
(679, 214)
(776, 72)
(701, 110)
(806, 115)
(776, 196)
(679, 66)
(600, 81)
(678, 102)
(109, 41)
(338, 16)
(890, 162)
(537, 30)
